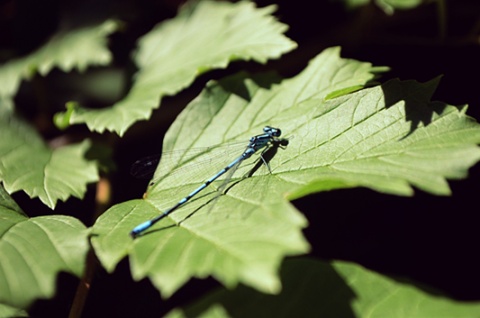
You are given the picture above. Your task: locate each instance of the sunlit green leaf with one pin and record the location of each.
(387, 138)
(243, 235)
(28, 164)
(176, 51)
(34, 251)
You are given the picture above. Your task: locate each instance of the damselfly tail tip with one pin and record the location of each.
(140, 228)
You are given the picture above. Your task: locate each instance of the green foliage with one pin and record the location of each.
(67, 50)
(390, 138)
(221, 114)
(8, 311)
(28, 164)
(361, 139)
(388, 6)
(171, 55)
(386, 139)
(34, 251)
(314, 288)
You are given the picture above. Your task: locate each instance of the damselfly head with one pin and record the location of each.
(272, 131)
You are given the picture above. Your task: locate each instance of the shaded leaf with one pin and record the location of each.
(66, 50)
(28, 164)
(243, 235)
(388, 6)
(319, 289)
(34, 251)
(176, 51)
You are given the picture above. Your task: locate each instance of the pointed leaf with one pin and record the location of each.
(317, 289)
(385, 138)
(66, 50)
(27, 164)
(241, 236)
(175, 52)
(34, 251)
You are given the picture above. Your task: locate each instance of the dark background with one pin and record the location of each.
(430, 240)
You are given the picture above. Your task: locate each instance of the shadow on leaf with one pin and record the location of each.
(419, 109)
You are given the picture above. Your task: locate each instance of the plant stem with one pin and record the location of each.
(102, 201)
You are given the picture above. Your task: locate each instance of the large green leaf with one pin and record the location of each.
(318, 289)
(34, 251)
(28, 164)
(175, 52)
(66, 50)
(247, 232)
(386, 138)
